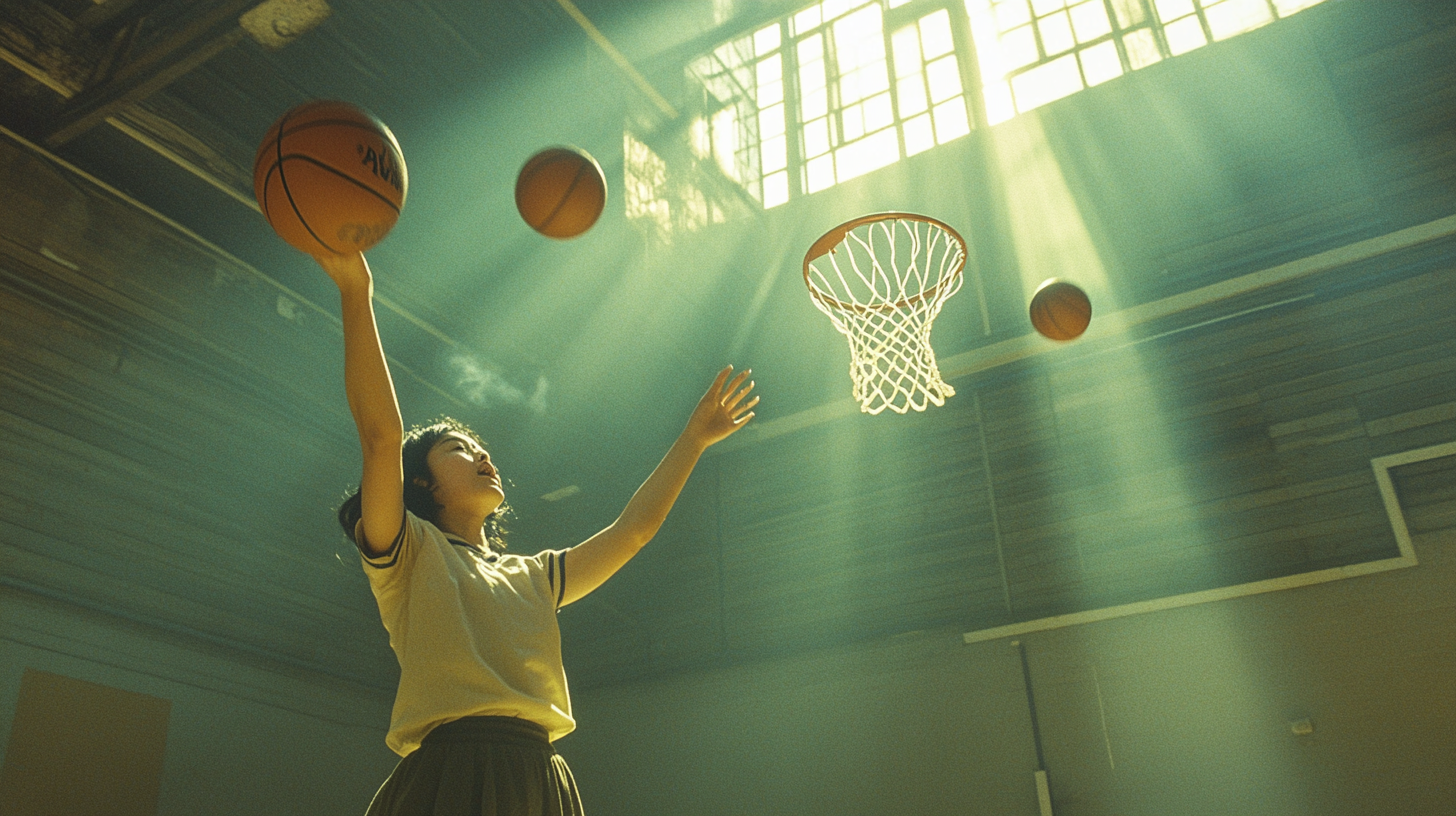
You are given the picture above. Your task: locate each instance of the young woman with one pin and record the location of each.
(482, 693)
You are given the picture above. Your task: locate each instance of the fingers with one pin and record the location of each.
(737, 397)
(731, 387)
(735, 413)
(729, 396)
(717, 387)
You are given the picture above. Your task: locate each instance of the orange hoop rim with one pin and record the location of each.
(831, 239)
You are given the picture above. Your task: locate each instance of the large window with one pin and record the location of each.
(869, 93)
(844, 87)
(1032, 52)
(829, 93)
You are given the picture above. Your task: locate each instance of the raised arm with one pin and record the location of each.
(720, 412)
(370, 392)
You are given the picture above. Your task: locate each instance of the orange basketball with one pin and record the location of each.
(561, 192)
(1060, 310)
(330, 177)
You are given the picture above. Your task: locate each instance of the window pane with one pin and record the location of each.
(811, 49)
(988, 50)
(877, 112)
(770, 94)
(876, 78)
(859, 38)
(819, 173)
(935, 34)
(852, 122)
(770, 70)
(869, 153)
(1100, 63)
(815, 103)
(775, 189)
(1142, 49)
(775, 153)
(1040, 7)
(951, 121)
(766, 40)
(834, 8)
(816, 137)
(919, 136)
(998, 103)
(1172, 9)
(944, 76)
(1237, 16)
(1056, 33)
(1018, 48)
(1089, 21)
(1046, 83)
(807, 20)
(1011, 13)
(771, 121)
(905, 45)
(912, 99)
(1184, 35)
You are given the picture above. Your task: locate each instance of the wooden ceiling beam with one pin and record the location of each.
(31, 45)
(114, 14)
(43, 45)
(159, 66)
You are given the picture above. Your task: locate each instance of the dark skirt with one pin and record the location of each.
(481, 766)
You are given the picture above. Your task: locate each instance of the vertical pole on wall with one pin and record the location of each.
(1043, 793)
(1043, 789)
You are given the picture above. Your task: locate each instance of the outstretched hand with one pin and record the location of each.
(722, 410)
(347, 271)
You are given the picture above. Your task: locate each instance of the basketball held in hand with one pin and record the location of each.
(330, 177)
(1060, 310)
(561, 192)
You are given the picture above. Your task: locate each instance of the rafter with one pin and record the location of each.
(151, 71)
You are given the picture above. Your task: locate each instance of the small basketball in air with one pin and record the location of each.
(330, 177)
(1060, 310)
(561, 192)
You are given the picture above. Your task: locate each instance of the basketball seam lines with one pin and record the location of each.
(344, 176)
(283, 179)
(566, 196)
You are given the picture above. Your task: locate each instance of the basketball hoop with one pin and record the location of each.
(882, 279)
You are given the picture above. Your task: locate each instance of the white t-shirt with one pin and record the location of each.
(475, 633)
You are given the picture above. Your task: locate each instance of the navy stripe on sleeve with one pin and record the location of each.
(392, 552)
(561, 585)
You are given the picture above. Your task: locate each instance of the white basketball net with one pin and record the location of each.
(882, 284)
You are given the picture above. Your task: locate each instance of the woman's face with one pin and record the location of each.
(464, 477)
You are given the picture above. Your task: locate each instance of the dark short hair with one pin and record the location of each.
(417, 498)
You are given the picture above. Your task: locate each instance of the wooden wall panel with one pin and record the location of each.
(160, 427)
(1167, 461)
(1427, 492)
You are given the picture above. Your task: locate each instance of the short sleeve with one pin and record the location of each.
(553, 563)
(390, 557)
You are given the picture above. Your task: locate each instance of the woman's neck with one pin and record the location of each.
(467, 527)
